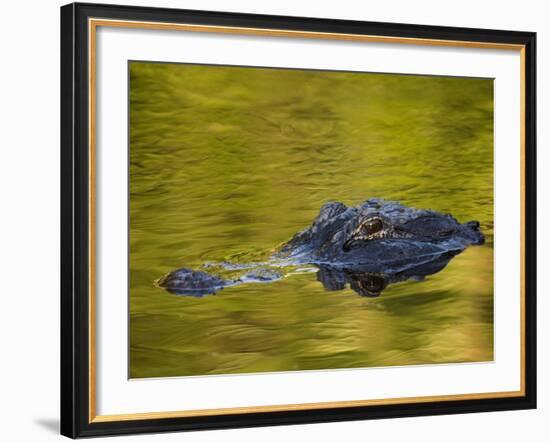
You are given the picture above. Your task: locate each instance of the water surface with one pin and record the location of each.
(229, 162)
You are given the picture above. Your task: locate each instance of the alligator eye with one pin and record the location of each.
(363, 232)
(372, 226)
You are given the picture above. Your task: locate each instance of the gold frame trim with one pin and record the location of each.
(93, 24)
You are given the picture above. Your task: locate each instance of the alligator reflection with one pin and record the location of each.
(371, 284)
(366, 280)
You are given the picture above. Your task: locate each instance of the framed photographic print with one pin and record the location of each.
(275, 220)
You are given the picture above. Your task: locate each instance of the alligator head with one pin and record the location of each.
(367, 246)
(379, 232)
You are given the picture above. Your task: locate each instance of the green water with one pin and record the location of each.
(229, 160)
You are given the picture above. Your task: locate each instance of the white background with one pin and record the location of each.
(29, 226)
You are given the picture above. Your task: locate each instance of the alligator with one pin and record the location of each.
(367, 247)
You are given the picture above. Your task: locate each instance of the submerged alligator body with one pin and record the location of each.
(367, 247)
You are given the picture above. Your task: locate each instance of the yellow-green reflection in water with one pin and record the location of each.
(231, 160)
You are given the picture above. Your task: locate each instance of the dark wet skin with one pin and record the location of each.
(366, 247)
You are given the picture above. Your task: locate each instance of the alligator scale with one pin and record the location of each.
(367, 246)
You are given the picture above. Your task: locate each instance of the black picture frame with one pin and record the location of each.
(75, 220)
